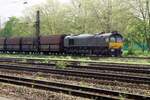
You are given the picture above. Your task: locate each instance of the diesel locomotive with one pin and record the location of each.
(109, 44)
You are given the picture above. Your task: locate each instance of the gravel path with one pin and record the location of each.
(24, 93)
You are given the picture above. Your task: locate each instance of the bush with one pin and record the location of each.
(130, 52)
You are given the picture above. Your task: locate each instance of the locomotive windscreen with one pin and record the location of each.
(119, 39)
(116, 38)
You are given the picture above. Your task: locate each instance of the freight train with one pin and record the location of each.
(109, 44)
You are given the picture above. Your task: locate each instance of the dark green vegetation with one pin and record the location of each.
(130, 17)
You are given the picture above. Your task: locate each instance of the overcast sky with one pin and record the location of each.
(10, 8)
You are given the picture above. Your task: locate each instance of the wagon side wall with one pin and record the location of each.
(13, 44)
(27, 44)
(2, 44)
(52, 43)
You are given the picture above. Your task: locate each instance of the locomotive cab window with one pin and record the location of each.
(71, 42)
(112, 39)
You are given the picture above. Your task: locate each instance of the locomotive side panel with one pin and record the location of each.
(85, 41)
(102, 41)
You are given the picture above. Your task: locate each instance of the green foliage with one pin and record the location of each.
(122, 97)
(80, 16)
(135, 52)
(8, 29)
(130, 52)
(15, 27)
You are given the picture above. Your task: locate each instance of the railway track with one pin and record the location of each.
(75, 62)
(70, 61)
(129, 57)
(131, 68)
(84, 74)
(94, 93)
(98, 67)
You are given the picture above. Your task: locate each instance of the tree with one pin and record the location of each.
(141, 12)
(8, 29)
(15, 27)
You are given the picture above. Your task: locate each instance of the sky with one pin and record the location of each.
(10, 8)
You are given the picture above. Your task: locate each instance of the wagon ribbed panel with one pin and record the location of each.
(13, 41)
(27, 40)
(53, 39)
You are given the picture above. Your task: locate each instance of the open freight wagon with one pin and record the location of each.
(47, 44)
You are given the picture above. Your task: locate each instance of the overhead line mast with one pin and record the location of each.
(37, 26)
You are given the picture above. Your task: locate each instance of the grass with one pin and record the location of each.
(137, 53)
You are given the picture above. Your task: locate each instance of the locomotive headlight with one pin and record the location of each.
(112, 50)
(107, 39)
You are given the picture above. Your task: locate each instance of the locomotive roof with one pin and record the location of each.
(105, 34)
(92, 35)
(80, 36)
(109, 34)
